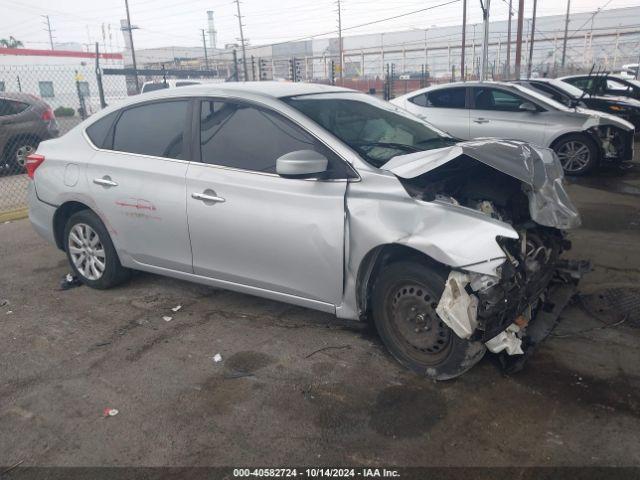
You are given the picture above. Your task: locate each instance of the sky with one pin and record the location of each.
(179, 22)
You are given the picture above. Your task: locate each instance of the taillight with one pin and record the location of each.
(33, 161)
(48, 115)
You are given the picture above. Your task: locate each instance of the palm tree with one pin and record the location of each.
(11, 43)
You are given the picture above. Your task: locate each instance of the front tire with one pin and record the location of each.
(91, 253)
(578, 154)
(405, 297)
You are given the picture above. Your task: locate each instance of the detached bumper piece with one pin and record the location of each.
(560, 291)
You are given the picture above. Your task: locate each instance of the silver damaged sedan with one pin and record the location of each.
(320, 197)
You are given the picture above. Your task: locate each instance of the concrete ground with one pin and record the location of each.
(277, 399)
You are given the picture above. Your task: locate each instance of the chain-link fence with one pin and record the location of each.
(42, 102)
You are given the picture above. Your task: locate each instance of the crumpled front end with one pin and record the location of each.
(520, 185)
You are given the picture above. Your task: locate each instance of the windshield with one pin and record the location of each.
(542, 98)
(377, 130)
(564, 86)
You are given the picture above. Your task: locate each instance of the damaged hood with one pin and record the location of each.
(537, 168)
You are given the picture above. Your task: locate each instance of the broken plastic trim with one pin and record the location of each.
(459, 310)
(538, 168)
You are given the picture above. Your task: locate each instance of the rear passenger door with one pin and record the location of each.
(137, 180)
(445, 108)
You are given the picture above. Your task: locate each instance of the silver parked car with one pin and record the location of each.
(582, 138)
(321, 197)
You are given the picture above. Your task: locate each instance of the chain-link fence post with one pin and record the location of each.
(103, 103)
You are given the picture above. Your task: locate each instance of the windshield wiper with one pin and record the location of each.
(397, 146)
(438, 139)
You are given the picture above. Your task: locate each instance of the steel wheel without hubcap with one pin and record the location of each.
(22, 153)
(574, 156)
(415, 322)
(86, 251)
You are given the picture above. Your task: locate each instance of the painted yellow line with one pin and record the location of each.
(14, 214)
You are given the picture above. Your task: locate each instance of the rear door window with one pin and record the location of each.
(156, 129)
(447, 98)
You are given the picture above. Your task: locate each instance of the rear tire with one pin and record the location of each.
(17, 153)
(91, 253)
(577, 153)
(405, 297)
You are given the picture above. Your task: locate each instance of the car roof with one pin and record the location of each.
(264, 89)
(432, 88)
(21, 97)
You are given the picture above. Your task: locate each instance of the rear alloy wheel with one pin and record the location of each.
(86, 251)
(405, 297)
(91, 253)
(578, 154)
(17, 155)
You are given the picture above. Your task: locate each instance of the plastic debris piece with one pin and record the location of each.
(110, 412)
(9, 312)
(217, 358)
(70, 281)
(176, 308)
(167, 318)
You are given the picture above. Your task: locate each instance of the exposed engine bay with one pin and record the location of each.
(497, 310)
(615, 143)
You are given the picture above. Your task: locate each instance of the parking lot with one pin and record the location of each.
(296, 386)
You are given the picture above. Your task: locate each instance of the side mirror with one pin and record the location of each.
(301, 164)
(527, 107)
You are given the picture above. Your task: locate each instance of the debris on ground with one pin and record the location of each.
(15, 465)
(4, 302)
(217, 358)
(9, 312)
(176, 308)
(70, 281)
(110, 412)
(339, 347)
(166, 318)
(232, 375)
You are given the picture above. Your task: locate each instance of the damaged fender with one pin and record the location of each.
(538, 168)
(380, 212)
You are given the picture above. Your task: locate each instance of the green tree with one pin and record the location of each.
(11, 43)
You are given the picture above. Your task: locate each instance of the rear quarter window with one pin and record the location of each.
(98, 131)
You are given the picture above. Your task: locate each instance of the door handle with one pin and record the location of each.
(105, 182)
(480, 120)
(213, 198)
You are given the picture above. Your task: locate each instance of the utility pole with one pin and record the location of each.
(204, 44)
(49, 30)
(566, 32)
(133, 50)
(533, 34)
(244, 52)
(464, 38)
(509, 41)
(340, 66)
(485, 40)
(519, 38)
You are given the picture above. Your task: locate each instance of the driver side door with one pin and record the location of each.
(262, 233)
(496, 113)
